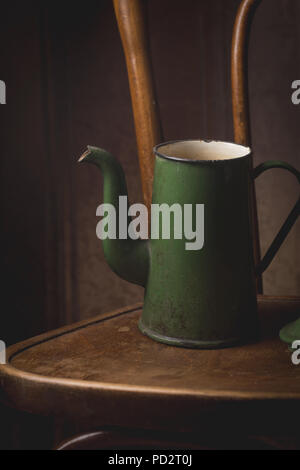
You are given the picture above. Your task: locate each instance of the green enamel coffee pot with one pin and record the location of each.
(205, 297)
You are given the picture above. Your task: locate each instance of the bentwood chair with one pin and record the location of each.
(242, 397)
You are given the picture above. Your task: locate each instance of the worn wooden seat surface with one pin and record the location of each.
(107, 373)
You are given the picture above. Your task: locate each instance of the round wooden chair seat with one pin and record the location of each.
(107, 373)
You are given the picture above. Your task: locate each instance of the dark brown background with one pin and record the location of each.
(67, 87)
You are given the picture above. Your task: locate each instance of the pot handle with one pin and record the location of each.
(291, 219)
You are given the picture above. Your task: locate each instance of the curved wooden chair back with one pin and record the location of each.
(132, 27)
(240, 98)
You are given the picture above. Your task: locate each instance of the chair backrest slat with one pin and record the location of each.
(239, 71)
(131, 22)
(240, 98)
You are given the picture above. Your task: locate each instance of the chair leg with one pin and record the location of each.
(127, 439)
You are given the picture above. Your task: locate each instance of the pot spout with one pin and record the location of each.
(128, 258)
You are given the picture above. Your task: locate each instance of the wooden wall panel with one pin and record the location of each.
(274, 65)
(23, 163)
